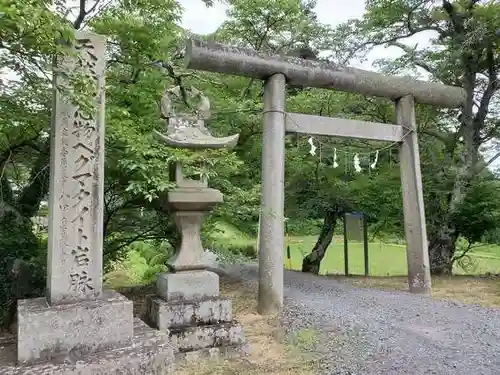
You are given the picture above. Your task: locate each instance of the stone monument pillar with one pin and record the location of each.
(188, 303)
(79, 327)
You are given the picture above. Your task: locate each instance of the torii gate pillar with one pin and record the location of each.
(271, 230)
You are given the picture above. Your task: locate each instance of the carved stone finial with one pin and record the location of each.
(176, 100)
(188, 130)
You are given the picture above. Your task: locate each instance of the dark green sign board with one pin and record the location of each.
(354, 226)
(355, 229)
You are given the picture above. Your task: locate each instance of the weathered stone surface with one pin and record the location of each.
(45, 331)
(151, 353)
(196, 338)
(271, 223)
(194, 199)
(187, 285)
(165, 315)
(220, 352)
(219, 58)
(210, 259)
(419, 276)
(189, 206)
(186, 129)
(189, 255)
(177, 175)
(76, 194)
(342, 127)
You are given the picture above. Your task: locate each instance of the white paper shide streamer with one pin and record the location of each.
(312, 151)
(335, 164)
(357, 165)
(314, 144)
(374, 164)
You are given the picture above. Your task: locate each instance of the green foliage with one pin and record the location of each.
(142, 261)
(305, 227)
(480, 211)
(22, 265)
(272, 25)
(248, 251)
(30, 29)
(140, 264)
(230, 242)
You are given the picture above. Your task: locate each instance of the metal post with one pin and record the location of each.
(346, 248)
(419, 277)
(365, 244)
(258, 235)
(271, 247)
(288, 253)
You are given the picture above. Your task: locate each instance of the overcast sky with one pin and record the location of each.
(202, 20)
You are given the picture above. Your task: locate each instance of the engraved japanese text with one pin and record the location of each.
(82, 178)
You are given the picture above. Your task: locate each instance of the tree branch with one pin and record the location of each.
(81, 15)
(93, 7)
(5, 156)
(131, 240)
(463, 254)
(436, 135)
(481, 166)
(418, 62)
(488, 94)
(456, 21)
(394, 39)
(38, 186)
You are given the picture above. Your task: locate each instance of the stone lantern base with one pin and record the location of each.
(187, 303)
(200, 326)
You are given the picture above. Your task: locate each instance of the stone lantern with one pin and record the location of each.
(187, 301)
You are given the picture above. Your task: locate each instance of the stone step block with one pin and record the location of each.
(45, 331)
(189, 339)
(150, 353)
(165, 315)
(187, 285)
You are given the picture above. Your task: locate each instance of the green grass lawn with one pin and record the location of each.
(384, 259)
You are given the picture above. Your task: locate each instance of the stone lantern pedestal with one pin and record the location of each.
(187, 303)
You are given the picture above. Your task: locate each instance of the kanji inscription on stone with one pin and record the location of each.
(76, 182)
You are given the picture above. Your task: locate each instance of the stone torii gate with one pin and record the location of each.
(276, 71)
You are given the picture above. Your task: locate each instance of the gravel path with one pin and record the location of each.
(368, 331)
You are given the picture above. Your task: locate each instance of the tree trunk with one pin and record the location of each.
(312, 261)
(442, 246)
(442, 241)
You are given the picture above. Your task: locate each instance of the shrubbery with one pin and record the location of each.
(245, 250)
(22, 263)
(306, 227)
